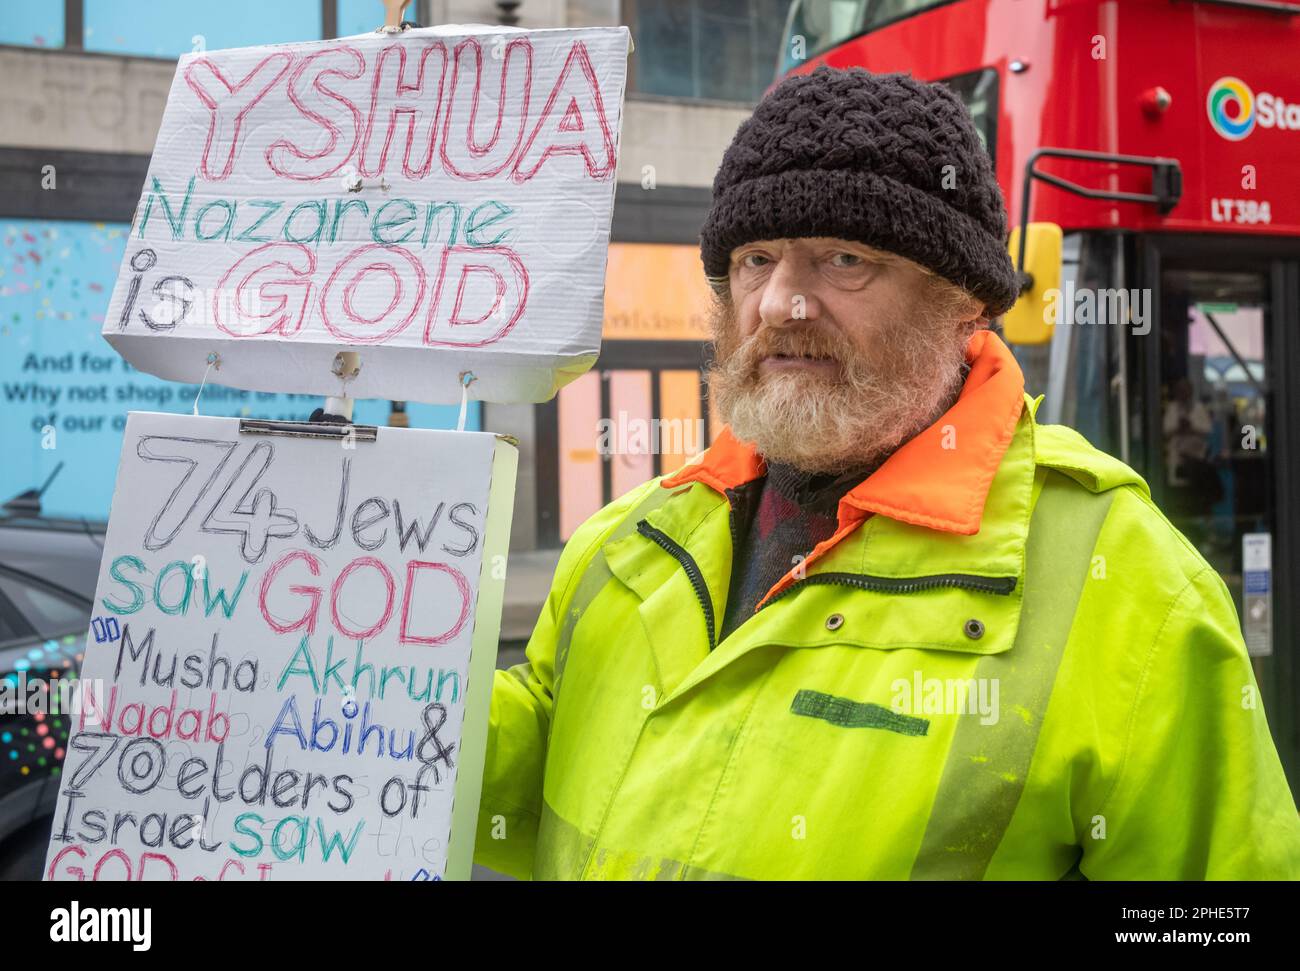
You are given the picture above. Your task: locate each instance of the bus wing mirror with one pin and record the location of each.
(1033, 317)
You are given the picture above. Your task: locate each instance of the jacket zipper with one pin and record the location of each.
(692, 569)
(733, 495)
(968, 581)
(1003, 586)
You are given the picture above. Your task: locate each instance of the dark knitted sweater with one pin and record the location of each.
(778, 520)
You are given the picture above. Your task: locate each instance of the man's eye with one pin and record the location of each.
(753, 260)
(846, 260)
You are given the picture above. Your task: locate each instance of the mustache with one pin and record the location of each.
(813, 342)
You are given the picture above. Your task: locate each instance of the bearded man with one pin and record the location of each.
(887, 626)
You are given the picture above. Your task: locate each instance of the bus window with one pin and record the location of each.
(978, 91)
(1215, 383)
(814, 26)
(1074, 371)
(882, 12)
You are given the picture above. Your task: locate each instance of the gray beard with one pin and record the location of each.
(822, 426)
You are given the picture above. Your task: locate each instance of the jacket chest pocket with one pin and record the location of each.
(854, 754)
(980, 616)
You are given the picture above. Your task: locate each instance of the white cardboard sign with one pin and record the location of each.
(290, 658)
(438, 201)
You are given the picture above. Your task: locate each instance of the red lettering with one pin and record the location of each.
(75, 871)
(278, 274)
(337, 589)
(509, 280)
(462, 588)
(497, 152)
(144, 861)
(413, 101)
(340, 299)
(228, 105)
(332, 111)
(568, 135)
(308, 618)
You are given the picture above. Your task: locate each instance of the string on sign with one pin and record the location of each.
(466, 379)
(214, 361)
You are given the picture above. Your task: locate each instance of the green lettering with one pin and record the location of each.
(318, 207)
(473, 225)
(378, 224)
(271, 208)
(184, 603)
(340, 210)
(223, 231)
(433, 209)
(309, 670)
(137, 592)
(177, 222)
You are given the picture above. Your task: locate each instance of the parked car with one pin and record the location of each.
(48, 570)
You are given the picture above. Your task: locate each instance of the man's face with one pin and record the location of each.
(831, 354)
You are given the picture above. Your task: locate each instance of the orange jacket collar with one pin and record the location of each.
(938, 479)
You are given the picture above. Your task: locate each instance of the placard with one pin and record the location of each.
(290, 657)
(1257, 593)
(439, 201)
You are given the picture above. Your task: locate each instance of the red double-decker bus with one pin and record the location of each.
(1152, 147)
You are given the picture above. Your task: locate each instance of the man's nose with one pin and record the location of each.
(789, 294)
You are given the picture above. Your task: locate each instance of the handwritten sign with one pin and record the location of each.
(438, 201)
(290, 657)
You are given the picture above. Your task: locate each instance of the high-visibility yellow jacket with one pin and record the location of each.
(1005, 664)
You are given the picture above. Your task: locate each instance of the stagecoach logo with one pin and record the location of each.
(1235, 110)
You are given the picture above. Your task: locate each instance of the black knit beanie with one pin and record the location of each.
(861, 156)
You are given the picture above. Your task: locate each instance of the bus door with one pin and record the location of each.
(1213, 389)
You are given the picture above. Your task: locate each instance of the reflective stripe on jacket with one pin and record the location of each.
(1005, 664)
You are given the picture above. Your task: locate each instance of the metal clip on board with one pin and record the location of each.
(346, 366)
(307, 429)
